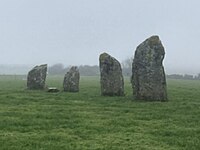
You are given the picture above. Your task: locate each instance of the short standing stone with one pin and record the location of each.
(148, 76)
(112, 81)
(37, 77)
(71, 80)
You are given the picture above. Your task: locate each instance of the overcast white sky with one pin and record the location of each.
(75, 32)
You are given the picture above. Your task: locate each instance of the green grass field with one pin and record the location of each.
(37, 120)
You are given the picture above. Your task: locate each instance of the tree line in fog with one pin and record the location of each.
(185, 76)
(87, 70)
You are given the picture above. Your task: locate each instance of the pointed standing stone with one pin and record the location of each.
(71, 80)
(148, 76)
(37, 77)
(112, 81)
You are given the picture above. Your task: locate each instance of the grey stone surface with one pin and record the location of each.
(71, 80)
(37, 77)
(53, 90)
(148, 76)
(112, 81)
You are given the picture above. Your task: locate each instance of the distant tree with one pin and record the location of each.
(56, 69)
(87, 70)
(127, 63)
(175, 76)
(188, 77)
(127, 66)
(197, 77)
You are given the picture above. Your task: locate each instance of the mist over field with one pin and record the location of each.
(93, 70)
(76, 32)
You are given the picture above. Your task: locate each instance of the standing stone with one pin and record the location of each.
(112, 81)
(37, 77)
(148, 76)
(71, 80)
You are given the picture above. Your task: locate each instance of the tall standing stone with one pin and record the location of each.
(71, 80)
(112, 81)
(148, 76)
(37, 77)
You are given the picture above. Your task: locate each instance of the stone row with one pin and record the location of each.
(37, 77)
(148, 75)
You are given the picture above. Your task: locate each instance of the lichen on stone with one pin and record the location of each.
(148, 76)
(112, 82)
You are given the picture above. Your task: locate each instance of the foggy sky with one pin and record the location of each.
(75, 32)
